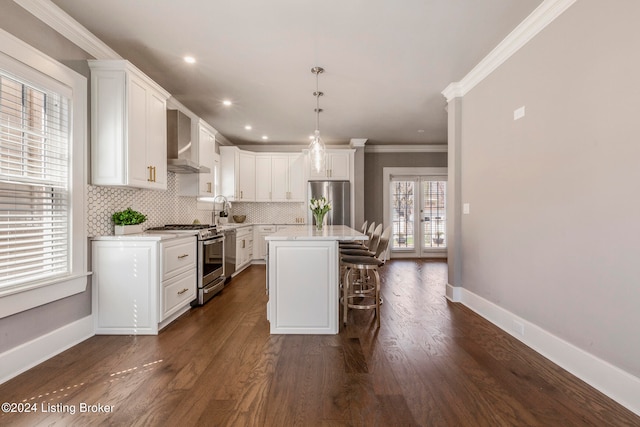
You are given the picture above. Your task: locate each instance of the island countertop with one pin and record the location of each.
(309, 232)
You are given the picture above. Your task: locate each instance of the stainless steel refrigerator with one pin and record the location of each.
(338, 193)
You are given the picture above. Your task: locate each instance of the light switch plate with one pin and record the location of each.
(465, 208)
(518, 113)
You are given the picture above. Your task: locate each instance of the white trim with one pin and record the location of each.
(64, 24)
(619, 385)
(453, 293)
(431, 148)
(25, 356)
(357, 142)
(542, 16)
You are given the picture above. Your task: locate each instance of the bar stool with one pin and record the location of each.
(361, 290)
(373, 234)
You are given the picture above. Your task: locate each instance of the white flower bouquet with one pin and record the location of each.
(319, 208)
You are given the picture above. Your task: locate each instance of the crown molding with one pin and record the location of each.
(440, 148)
(60, 21)
(357, 142)
(542, 16)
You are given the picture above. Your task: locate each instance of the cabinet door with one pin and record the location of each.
(296, 178)
(338, 166)
(322, 174)
(264, 172)
(156, 147)
(139, 171)
(279, 177)
(206, 152)
(247, 177)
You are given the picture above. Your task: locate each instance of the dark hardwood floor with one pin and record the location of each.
(432, 363)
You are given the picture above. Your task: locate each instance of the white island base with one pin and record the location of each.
(303, 279)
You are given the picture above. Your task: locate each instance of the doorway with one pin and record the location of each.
(415, 207)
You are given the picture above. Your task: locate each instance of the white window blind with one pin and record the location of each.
(34, 183)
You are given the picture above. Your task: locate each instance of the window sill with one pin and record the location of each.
(15, 300)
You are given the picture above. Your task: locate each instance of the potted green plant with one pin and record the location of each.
(439, 239)
(128, 221)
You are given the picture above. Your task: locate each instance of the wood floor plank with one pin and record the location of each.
(431, 363)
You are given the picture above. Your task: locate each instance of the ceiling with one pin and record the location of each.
(386, 62)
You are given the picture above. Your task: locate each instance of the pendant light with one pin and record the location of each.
(316, 147)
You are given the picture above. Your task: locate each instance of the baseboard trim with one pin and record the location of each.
(619, 385)
(25, 356)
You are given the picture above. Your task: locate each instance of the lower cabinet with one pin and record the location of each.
(244, 247)
(259, 242)
(141, 285)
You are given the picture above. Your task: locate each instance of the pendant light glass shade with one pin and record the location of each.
(317, 153)
(316, 147)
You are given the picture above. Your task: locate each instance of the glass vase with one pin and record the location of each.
(319, 217)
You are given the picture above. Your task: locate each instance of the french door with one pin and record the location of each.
(418, 215)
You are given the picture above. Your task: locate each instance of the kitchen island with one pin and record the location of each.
(303, 278)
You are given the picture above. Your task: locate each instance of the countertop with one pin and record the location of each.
(309, 232)
(145, 236)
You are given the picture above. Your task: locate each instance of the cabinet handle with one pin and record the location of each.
(243, 243)
(182, 291)
(183, 256)
(154, 174)
(270, 196)
(150, 179)
(208, 187)
(241, 194)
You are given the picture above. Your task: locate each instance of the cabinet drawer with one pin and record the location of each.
(178, 292)
(178, 256)
(267, 228)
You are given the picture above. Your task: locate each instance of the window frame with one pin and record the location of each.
(28, 64)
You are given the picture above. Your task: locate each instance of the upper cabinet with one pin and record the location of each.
(238, 174)
(204, 184)
(128, 127)
(280, 177)
(338, 166)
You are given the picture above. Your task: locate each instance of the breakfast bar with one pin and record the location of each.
(303, 278)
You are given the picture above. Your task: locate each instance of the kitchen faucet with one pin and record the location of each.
(225, 205)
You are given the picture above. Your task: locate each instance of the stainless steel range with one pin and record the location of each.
(211, 257)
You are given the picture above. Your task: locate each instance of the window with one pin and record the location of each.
(43, 134)
(34, 183)
(415, 204)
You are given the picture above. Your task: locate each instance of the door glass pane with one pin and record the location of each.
(402, 198)
(434, 219)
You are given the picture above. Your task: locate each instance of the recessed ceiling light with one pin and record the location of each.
(420, 130)
(226, 102)
(265, 137)
(189, 59)
(248, 127)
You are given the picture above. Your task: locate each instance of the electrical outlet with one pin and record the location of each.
(518, 113)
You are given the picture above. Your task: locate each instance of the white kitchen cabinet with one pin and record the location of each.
(259, 242)
(244, 247)
(142, 284)
(128, 127)
(280, 177)
(264, 172)
(238, 174)
(338, 166)
(203, 184)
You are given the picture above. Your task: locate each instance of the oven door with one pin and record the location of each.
(212, 260)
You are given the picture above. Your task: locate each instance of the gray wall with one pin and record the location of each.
(553, 232)
(25, 326)
(373, 179)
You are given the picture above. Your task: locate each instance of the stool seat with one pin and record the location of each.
(356, 252)
(361, 260)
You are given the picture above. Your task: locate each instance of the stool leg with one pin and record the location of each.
(345, 292)
(377, 278)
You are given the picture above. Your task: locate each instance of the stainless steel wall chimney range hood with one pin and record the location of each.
(179, 144)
